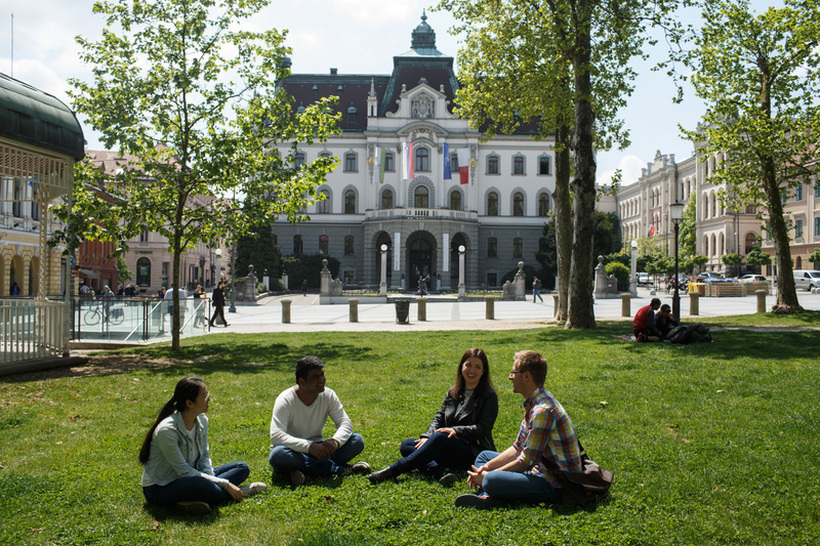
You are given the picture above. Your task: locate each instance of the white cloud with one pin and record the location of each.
(375, 13)
(630, 166)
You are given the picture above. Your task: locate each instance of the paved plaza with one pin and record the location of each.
(449, 314)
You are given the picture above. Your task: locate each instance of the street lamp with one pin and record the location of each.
(232, 308)
(462, 288)
(633, 285)
(383, 278)
(676, 213)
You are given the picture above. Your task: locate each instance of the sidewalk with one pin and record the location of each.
(308, 316)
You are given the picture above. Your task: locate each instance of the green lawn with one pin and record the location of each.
(710, 443)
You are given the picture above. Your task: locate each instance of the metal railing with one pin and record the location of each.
(31, 329)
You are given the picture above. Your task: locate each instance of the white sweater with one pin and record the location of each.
(296, 425)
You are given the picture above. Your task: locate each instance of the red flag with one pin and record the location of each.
(464, 165)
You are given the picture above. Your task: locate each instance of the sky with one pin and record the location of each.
(355, 36)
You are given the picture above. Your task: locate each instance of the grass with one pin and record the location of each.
(710, 443)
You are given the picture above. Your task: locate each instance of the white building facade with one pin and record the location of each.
(391, 122)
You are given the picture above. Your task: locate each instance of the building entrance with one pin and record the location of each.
(421, 248)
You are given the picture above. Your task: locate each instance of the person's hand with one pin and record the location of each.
(323, 450)
(420, 442)
(475, 477)
(448, 431)
(234, 492)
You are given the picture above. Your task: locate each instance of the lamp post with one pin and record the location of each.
(232, 308)
(462, 289)
(383, 281)
(633, 284)
(676, 212)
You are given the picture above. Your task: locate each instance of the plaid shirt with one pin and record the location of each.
(546, 431)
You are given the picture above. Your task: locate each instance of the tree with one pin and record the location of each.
(544, 56)
(732, 260)
(547, 255)
(687, 237)
(758, 75)
(257, 248)
(192, 98)
(815, 256)
(607, 234)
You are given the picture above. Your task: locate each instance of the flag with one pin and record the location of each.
(381, 153)
(464, 165)
(651, 230)
(407, 158)
(447, 174)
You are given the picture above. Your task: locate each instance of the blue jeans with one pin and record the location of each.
(434, 456)
(536, 293)
(515, 486)
(197, 488)
(284, 460)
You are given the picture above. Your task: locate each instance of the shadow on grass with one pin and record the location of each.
(162, 514)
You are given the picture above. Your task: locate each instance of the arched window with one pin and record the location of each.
(387, 199)
(455, 200)
(543, 205)
(323, 206)
(35, 207)
(389, 164)
(543, 165)
(143, 272)
(350, 202)
(297, 245)
(351, 164)
(518, 204)
(518, 165)
(323, 244)
(422, 159)
(492, 204)
(492, 164)
(421, 197)
(299, 159)
(518, 247)
(350, 247)
(352, 114)
(492, 247)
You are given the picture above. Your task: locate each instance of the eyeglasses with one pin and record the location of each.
(516, 371)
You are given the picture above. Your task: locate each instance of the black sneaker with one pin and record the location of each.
(360, 467)
(479, 502)
(297, 478)
(195, 508)
(448, 479)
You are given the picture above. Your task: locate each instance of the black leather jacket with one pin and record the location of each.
(473, 424)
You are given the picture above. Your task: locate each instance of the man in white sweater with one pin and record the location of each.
(299, 415)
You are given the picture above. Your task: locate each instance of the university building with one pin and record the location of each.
(401, 150)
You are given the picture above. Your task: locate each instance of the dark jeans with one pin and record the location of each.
(434, 456)
(197, 488)
(515, 486)
(219, 311)
(284, 460)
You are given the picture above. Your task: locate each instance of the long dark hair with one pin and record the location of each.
(187, 389)
(484, 383)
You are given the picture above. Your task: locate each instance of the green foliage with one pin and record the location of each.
(547, 256)
(123, 273)
(674, 429)
(757, 257)
(190, 99)
(731, 259)
(308, 267)
(258, 249)
(607, 233)
(758, 75)
(530, 273)
(814, 257)
(687, 234)
(621, 272)
(621, 257)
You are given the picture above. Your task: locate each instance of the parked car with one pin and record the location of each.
(806, 278)
(707, 276)
(751, 277)
(643, 279)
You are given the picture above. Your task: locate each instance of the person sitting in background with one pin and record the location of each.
(460, 430)
(644, 323)
(664, 320)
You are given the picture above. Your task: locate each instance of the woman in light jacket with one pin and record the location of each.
(460, 430)
(177, 464)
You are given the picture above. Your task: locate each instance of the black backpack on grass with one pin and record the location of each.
(689, 333)
(584, 486)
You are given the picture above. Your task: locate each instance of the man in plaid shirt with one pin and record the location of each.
(518, 474)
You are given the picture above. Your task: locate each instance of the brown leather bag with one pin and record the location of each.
(582, 486)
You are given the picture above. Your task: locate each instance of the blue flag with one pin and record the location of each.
(447, 174)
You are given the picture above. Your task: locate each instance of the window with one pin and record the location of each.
(350, 202)
(543, 205)
(389, 162)
(323, 244)
(492, 164)
(325, 154)
(798, 228)
(299, 159)
(817, 189)
(349, 277)
(144, 236)
(35, 208)
(143, 272)
(750, 209)
(15, 206)
(518, 204)
(543, 165)
(297, 245)
(352, 114)
(492, 247)
(422, 160)
(492, 204)
(349, 245)
(492, 279)
(323, 206)
(817, 226)
(455, 200)
(453, 162)
(387, 199)
(518, 165)
(518, 247)
(421, 197)
(798, 192)
(351, 163)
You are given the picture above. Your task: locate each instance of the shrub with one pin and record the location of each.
(620, 272)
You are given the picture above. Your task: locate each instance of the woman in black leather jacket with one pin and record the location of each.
(460, 430)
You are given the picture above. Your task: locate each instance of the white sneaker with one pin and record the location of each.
(253, 489)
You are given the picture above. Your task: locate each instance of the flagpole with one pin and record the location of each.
(12, 45)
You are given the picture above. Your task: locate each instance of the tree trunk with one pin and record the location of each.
(580, 312)
(175, 275)
(563, 219)
(786, 291)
